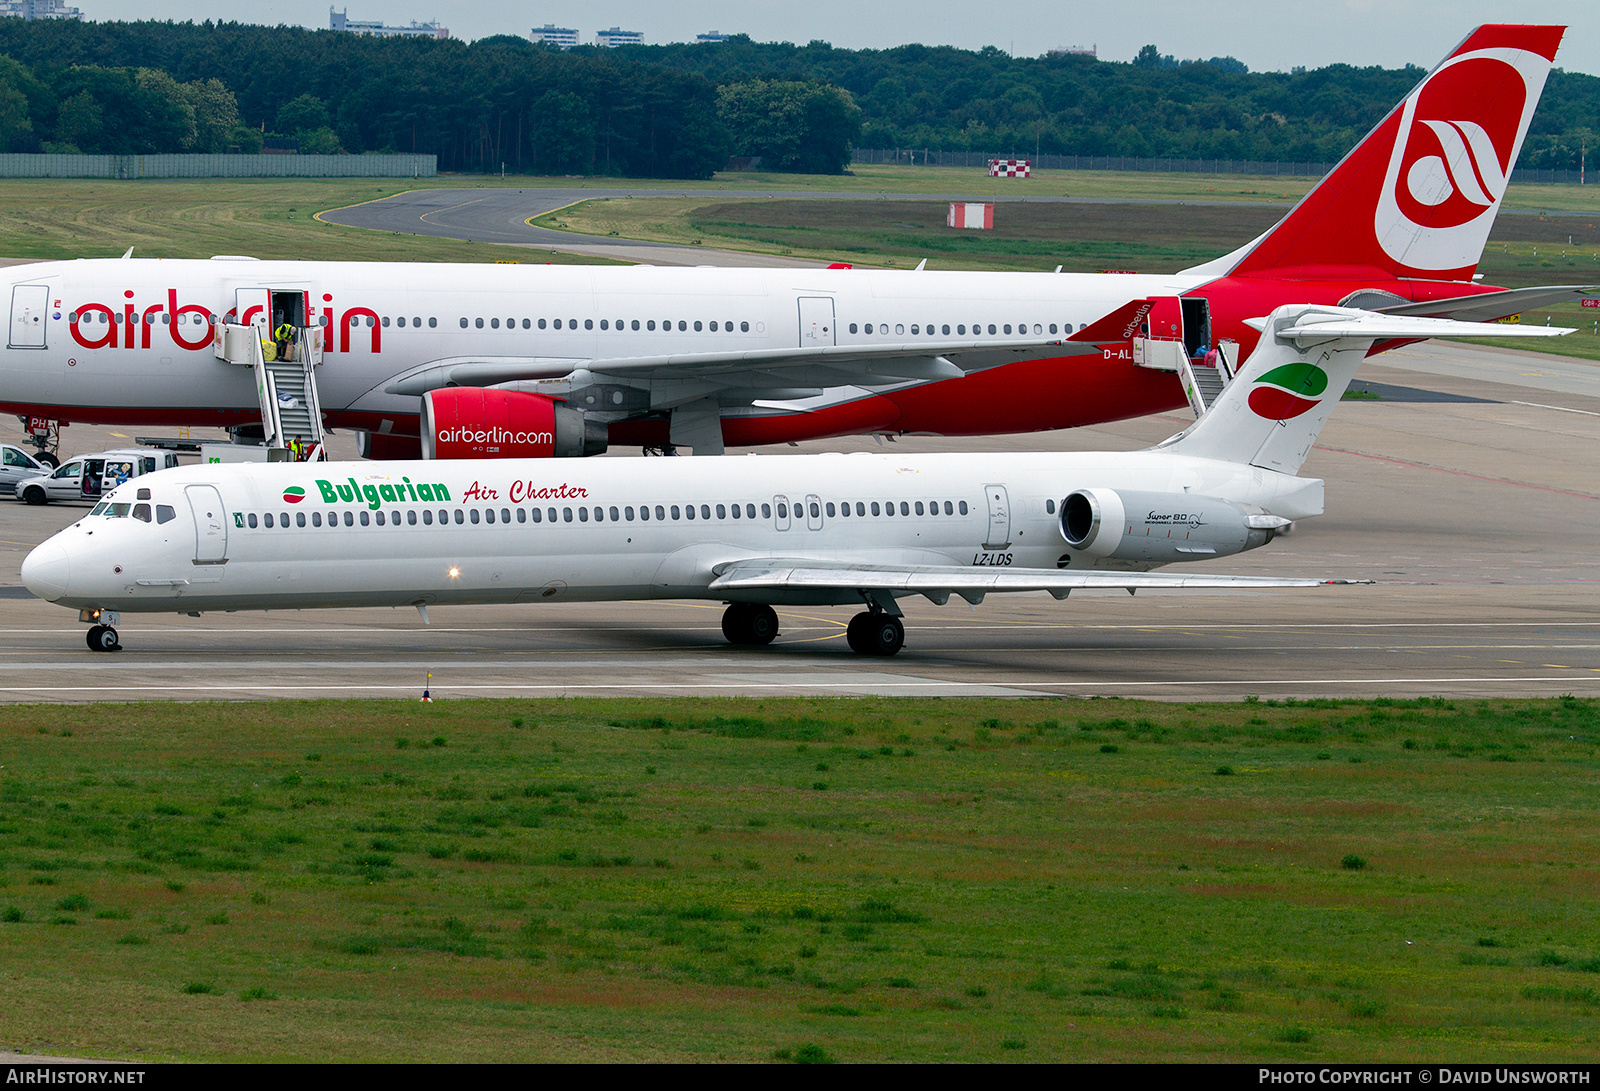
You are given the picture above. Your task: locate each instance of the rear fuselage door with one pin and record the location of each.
(210, 524)
(30, 304)
(1196, 322)
(999, 518)
(816, 322)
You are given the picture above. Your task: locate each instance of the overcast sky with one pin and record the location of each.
(1264, 34)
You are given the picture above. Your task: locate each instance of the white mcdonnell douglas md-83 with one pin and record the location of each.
(753, 532)
(536, 361)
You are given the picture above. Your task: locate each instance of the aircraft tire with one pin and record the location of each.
(45, 458)
(875, 634)
(752, 624)
(854, 634)
(103, 638)
(761, 624)
(35, 497)
(735, 622)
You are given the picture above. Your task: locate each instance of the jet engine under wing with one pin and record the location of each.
(939, 582)
(1488, 306)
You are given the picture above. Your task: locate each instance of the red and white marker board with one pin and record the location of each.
(970, 214)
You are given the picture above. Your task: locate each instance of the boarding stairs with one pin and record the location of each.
(291, 411)
(1202, 384)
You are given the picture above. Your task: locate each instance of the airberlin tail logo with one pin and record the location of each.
(1458, 135)
(1288, 391)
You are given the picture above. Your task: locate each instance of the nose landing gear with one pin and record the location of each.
(103, 638)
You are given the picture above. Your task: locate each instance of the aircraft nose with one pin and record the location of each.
(44, 571)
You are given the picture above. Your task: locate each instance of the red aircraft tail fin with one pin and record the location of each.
(1418, 196)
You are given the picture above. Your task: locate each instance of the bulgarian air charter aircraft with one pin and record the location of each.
(752, 532)
(535, 361)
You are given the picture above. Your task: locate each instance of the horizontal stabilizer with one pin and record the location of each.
(1321, 324)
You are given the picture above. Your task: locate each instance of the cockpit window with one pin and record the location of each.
(99, 508)
(142, 512)
(118, 511)
(165, 514)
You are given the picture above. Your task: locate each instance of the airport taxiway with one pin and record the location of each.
(501, 215)
(1474, 502)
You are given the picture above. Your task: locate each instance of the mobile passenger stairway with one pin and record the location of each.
(291, 411)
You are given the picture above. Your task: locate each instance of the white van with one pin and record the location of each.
(85, 477)
(16, 464)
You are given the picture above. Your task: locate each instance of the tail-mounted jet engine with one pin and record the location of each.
(1162, 526)
(476, 422)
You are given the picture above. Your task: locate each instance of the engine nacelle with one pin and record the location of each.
(1162, 526)
(476, 422)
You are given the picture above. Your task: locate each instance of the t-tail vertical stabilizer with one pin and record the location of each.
(1272, 412)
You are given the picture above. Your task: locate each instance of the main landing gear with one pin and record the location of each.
(103, 638)
(751, 623)
(872, 632)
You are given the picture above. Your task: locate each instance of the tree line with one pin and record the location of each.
(680, 110)
(985, 100)
(502, 100)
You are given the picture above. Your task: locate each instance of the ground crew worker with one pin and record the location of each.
(283, 335)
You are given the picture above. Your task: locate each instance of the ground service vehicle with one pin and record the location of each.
(86, 477)
(15, 464)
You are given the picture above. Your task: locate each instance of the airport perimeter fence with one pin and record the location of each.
(933, 157)
(18, 165)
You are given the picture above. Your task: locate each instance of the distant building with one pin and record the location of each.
(1077, 50)
(610, 39)
(38, 9)
(560, 37)
(712, 36)
(340, 20)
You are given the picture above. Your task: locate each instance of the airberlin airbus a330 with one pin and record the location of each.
(812, 530)
(535, 361)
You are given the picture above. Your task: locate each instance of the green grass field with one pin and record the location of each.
(866, 880)
(265, 218)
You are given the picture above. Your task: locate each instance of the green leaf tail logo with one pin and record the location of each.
(1288, 391)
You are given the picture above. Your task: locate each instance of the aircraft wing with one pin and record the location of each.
(939, 582)
(824, 365)
(923, 360)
